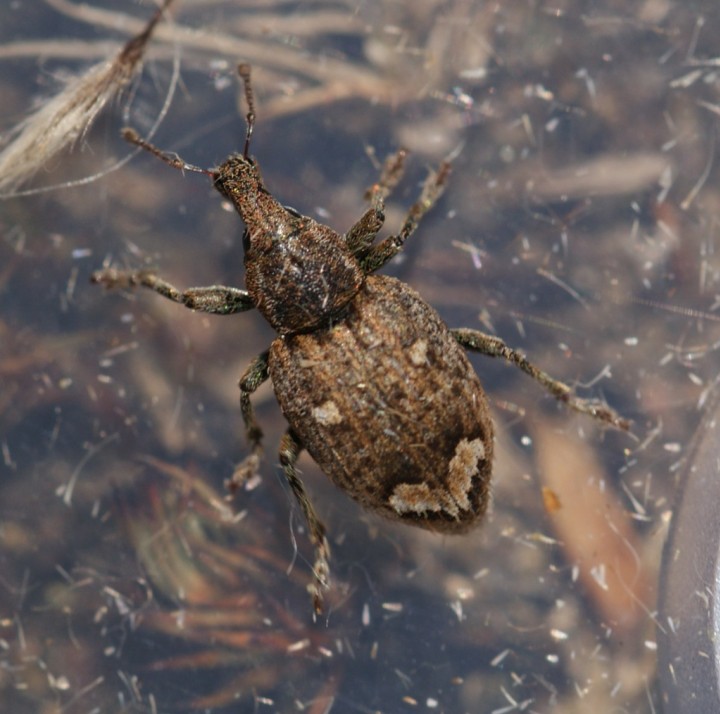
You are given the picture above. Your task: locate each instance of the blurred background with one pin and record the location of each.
(579, 225)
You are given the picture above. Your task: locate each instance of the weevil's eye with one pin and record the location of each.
(246, 240)
(293, 212)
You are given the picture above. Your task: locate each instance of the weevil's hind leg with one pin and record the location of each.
(494, 347)
(290, 449)
(374, 257)
(215, 299)
(252, 378)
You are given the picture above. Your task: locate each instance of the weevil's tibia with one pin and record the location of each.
(434, 186)
(494, 347)
(289, 451)
(252, 378)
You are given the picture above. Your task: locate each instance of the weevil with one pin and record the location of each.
(373, 384)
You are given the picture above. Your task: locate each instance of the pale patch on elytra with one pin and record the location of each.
(418, 352)
(415, 498)
(462, 469)
(420, 498)
(327, 414)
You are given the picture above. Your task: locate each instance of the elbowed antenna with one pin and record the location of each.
(172, 159)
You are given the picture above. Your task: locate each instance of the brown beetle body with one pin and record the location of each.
(373, 384)
(388, 405)
(371, 381)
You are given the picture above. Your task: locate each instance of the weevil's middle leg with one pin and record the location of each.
(252, 378)
(494, 347)
(290, 449)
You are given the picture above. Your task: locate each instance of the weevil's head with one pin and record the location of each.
(300, 273)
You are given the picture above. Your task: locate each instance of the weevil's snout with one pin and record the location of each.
(239, 180)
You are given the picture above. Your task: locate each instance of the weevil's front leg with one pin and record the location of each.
(376, 256)
(360, 237)
(290, 449)
(252, 378)
(494, 347)
(215, 299)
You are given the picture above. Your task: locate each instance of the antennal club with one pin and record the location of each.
(244, 72)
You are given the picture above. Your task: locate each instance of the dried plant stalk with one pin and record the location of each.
(65, 118)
